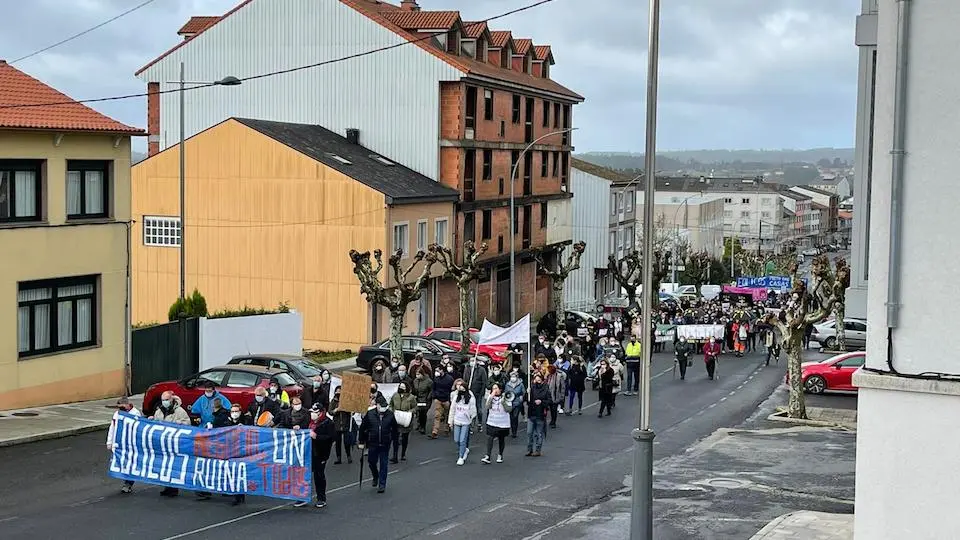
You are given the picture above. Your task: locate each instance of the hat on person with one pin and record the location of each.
(317, 407)
(123, 401)
(381, 401)
(209, 384)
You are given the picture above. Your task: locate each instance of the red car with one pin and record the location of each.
(834, 373)
(451, 336)
(236, 382)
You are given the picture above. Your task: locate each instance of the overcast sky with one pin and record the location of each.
(734, 73)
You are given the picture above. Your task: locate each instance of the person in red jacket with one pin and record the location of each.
(710, 353)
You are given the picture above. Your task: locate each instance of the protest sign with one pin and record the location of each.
(354, 392)
(239, 460)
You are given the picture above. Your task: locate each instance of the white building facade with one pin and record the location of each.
(591, 208)
(909, 394)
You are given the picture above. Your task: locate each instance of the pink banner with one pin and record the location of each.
(757, 294)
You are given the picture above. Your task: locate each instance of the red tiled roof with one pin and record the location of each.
(474, 29)
(198, 24)
(542, 52)
(18, 88)
(500, 38)
(423, 20)
(523, 45)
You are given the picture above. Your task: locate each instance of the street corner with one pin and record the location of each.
(737, 480)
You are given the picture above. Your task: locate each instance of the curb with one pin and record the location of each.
(770, 527)
(48, 435)
(782, 417)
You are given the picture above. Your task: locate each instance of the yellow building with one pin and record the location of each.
(64, 214)
(272, 211)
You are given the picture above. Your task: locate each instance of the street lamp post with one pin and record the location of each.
(513, 231)
(641, 518)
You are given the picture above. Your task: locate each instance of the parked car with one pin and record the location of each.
(811, 252)
(432, 350)
(237, 383)
(302, 369)
(572, 320)
(835, 373)
(855, 333)
(451, 337)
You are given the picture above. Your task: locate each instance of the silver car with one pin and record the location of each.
(855, 334)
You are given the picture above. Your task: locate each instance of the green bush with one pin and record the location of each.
(247, 311)
(192, 306)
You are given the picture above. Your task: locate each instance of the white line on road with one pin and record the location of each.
(605, 460)
(724, 398)
(5, 520)
(712, 405)
(58, 450)
(445, 529)
(527, 511)
(541, 488)
(429, 461)
(496, 507)
(571, 475)
(732, 393)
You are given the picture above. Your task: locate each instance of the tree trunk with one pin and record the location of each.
(796, 407)
(839, 313)
(464, 290)
(557, 285)
(396, 335)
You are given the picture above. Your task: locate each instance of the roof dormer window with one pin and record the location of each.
(505, 56)
(441, 38)
(469, 47)
(528, 64)
(453, 41)
(482, 50)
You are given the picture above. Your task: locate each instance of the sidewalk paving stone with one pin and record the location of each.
(22, 426)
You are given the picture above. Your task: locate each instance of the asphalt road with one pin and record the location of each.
(59, 487)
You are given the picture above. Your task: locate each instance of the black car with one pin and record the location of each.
(301, 368)
(432, 350)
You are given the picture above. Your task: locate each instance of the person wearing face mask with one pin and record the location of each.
(711, 351)
(378, 429)
(323, 432)
(542, 348)
(476, 376)
(236, 419)
(538, 405)
(419, 362)
(514, 357)
(681, 353)
(403, 400)
(318, 392)
(497, 376)
(404, 376)
(123, 404)
(516, 387)
(576, 384)
(449, 367)
(260, 405)
(276, 393)
(605, 377)
(380, 373)
(498, 422)
(463, 411)
(171, 411)
(344, 426)
(220, 419)
(633, 352)
(297, 417)
(556, 384)
(374, 395)
(422, 390)
(203, 406)
(442, 388)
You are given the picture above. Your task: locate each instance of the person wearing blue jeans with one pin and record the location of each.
(463, 410)
(378, 430)
(537, 415)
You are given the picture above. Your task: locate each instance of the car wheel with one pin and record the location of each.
(830, 343)
(815, 384)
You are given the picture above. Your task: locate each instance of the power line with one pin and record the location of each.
(278, 72)
(85, 32)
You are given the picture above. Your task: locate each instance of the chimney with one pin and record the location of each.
(153, 118)
(353, 136)
(409, 5)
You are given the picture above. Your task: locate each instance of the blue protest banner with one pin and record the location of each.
(764, 282)
(233, 460)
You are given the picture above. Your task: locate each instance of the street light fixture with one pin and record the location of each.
(513, 232)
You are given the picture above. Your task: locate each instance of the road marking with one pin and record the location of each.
(732, 393)
(496, 507)
(58, 450)
(445, 529)
(721, 400)
(5, 520)
(86, 502)
(541, 488)
(571, 475)
(258, 512)
(429, 461)
(605, 460)
(527, 511)
(712, 405)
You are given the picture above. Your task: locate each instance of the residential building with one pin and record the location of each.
(800, 207)
(64, 213)
(834, 183)
(273, 210)
(909, 390)
(693, 219)
(593, 221)
(830, 203)
(461, 105)
(844, 228)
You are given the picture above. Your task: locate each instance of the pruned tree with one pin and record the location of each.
(463, 274)
(627, 271)
(396, 298)
(804, 307)
(751, 264)
(558, 276)
(840, 285)
(697, 268)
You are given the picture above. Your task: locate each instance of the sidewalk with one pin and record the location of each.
(805, 525)
(57, 421)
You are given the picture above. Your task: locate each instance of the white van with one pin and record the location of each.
(710, 292)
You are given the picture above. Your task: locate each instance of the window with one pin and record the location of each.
(501, 186)
(488, 104)
(546, 113)
(215, 376)
(613, 241)
(56, 315)
(728, 213)
(161, 231)
(500, 244)
(628, 237)
(422, 235)
(516, 220)
(87, 189)
(486, 228)
(469, 47)
(471, 112)
(242, 379)
(470, 164)
(543, 215)
(630, 201)
(745, 214)
(728, 200)
(20, 189)
(556, 164)
(620, 202)
(440, 232)
(514, 159)
(544, 163)
(516, 109)
(556, 115)
(765, 201)
(613, 204)
(765, 214)
(745, 200)
(487, 171)
(401, 239)
(744, 227)
(853, 361)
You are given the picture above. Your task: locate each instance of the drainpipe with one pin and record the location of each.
(127, 342)
(895, 267)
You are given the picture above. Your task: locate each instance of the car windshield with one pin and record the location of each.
(442, 346)
(306, 367)
(285, 379)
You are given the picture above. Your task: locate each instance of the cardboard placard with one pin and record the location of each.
(355, 392)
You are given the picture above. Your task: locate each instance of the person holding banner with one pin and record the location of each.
(123, 404)
(171, 411)
(378, 430)
(262, 411)
(322, 431)
(203, 406)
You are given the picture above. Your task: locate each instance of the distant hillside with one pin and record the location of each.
(137, 157)
(704, 160)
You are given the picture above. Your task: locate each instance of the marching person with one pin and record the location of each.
(476, 377)
(710, 353)
(221, 418)
(498, 422)
(463, 411)
(772, 344)
(236, 417)
(123, 404)
(418, 362)
(381, 374)
(556, 384)
(422, 390)
(442, 387)
(605, 380)
(297, 417)
(618, 372)
(322, 431)
(378, 429)
(403, 400)
(404, 376)
(343, 423)
(633, 353)
(681, 353)
(319, 392)
(203, 406)
(497, 376)
(516, 387)
(260, 405)
(278, 394)
(576, 384)
(537, 409)
(171, 411)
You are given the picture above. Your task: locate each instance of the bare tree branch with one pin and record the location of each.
(559, 276)
(464, 275)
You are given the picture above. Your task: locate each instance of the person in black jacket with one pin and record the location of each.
(576, 384)
(322, 431)
(261, 404)
(442, 387)
(318, 392)
(537, 409)
(297, 417)
(378, 430)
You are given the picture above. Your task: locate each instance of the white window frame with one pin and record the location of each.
(441, 234)
(630, 196)
(161, 231)
(613, 204)
(423, 227)
(405, 240)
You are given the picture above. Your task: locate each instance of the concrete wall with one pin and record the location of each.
(222, 339)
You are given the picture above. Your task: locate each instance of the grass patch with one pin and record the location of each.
(323, 357)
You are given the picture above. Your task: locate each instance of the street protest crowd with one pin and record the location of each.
(474, 398)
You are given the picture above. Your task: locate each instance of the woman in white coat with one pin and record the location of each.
(463, 410)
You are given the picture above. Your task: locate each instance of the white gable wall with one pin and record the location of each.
(392, 97)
